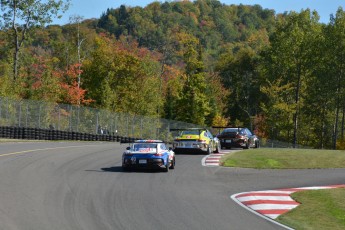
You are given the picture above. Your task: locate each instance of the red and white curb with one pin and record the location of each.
(272, 203)
(212, 159)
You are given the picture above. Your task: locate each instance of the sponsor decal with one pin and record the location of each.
(133, 159)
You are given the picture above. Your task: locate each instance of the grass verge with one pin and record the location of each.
(265, 158)
(319, 209)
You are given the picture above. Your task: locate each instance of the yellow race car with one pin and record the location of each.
(195, 140)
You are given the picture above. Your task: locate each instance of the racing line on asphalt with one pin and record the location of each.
(268, 204)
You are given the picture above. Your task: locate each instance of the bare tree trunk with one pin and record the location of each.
(19, 38)
(15, 60)
(342, 124)
(295, 117)
(335, 130)
(16, 42)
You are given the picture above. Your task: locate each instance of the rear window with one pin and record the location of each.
(231, 130)
(191, 132)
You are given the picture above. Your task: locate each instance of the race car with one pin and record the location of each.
(238, 137)
(195, 140)
(148, 154)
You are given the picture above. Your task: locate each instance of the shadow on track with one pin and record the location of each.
(197, 153)
(118, 169)
(112, 169)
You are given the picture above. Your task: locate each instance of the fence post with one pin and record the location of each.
(39, 117)
(127, 130)
(141, 127)
(133, 121)
(97, 125)
(58, 125)
(70, 118)
(20, 114)
(27, 113)
(8, 108)
(78, 114)
(115, 125)
(0, 109)
(168, 130)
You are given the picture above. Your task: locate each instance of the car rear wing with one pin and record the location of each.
(184, 129)
(181, 129)
(132, 140)
(225, 127)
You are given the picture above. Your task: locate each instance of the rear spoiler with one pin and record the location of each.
(199, 129)
(224, 127)
(187, 129)
(131, 140)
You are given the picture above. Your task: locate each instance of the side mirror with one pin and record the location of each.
(170, 148)
(128, 148)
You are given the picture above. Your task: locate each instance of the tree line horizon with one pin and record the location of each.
(201, 62)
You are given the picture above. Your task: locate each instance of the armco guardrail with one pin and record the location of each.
(47, 134)
(28, 119)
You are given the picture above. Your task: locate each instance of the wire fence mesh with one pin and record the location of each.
(73, 120)
(80, 119)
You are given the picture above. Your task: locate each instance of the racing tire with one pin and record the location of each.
(125, 169)
(247, 146)
(257, 144)
(217, 148)
(208, 151)
(172, 164)
(166, 169)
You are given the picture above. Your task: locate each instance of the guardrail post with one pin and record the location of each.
(8, 108)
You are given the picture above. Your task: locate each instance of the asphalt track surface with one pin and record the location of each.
(80, 185)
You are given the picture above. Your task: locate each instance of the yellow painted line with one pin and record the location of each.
(36, 150)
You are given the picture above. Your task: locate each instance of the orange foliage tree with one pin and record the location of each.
(72, 91)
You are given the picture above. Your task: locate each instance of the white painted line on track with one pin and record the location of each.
(250, 198)
(44, 149)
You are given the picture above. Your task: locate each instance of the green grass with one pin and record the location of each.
(265, 158)
(319, 209)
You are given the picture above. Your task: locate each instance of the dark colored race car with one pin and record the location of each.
(148, 154)
(239, 137)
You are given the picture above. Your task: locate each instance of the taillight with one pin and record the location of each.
(158, 154)
(238, 136)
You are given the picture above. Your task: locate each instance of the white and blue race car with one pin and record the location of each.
(148, 154)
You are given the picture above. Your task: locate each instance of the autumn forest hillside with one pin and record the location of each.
(202, 62)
